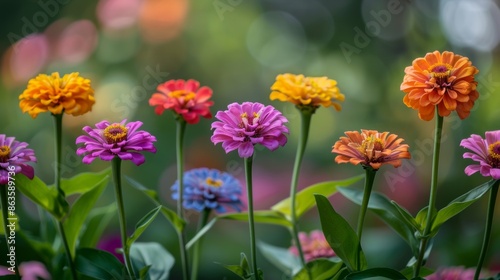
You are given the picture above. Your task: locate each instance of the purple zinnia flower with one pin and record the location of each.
(209, 189)
(118, 139)
(13, 158)
(243, 126)
(452, 273)
(314, 246)
(486, 152)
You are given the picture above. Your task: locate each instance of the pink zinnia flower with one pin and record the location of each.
(118, 139)
(314, 246)
(186, 98)
(486, 152)
(13, 158)
(243, 126)
(452, 273)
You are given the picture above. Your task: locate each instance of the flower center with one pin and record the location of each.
(440, 71)
(185, 95)
(213, 183)
(115, 133)
(4, 153)
(494, 154)
(371, 144)
(252, 120)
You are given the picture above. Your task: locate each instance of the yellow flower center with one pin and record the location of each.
(213, 183)
(115, 133)
(4, 153)
(186, 95)
(371, 144)
(494, 154)
(440, 70)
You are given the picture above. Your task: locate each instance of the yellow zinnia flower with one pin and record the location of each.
(70, 94)
(307, 91)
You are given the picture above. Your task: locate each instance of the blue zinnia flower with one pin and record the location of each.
(209, 189)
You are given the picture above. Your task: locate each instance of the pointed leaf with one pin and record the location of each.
(143, 224)
(320, 269)
(171, 216)
(305, 198)
(38, 192)
(379, 272)
(83, 182)
(340, 235)
(154, 256)
(461, 203)
(95, 225)
(424, 271)
(281, 258)
(99, 264)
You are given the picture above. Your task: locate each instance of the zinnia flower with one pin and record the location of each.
(243, 126)
(307, 91)
(452, 273)
(444, 80)
(209, 189)
(70, 94)
(14, 156)
(118, 139)
(185, 98)
(484, 151)
(370, 148)
(314, 246)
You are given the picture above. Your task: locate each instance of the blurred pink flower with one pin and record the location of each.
(29, 271)
(118, 14)
(314, 246)
(77, 42)
(110, 244)
(452, 273)
(484, 151)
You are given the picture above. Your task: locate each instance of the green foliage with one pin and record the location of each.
(243, 269)
(151, 260)
(281, 258)
(95, 225)
(379, 272)
(320, 269)
(340, 235)
(99, 265)
(143, 224)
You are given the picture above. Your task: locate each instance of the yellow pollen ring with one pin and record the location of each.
(494, 149)
(213, 183)
(4, 152)
(187, 95)
(371, 143)
(440, 70)
(115, 133)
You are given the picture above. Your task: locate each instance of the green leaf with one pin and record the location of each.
(460, 204)
(171, 216)
(389, 212)
(424, 271)
(281, 258)
(342, 274)
(340, 235)
(421, 218)
(265, 216)
(95, 225)
(83, 182)
(243, 269)
(142, 225)
(99, 264)
(83, 205)
(384, 272)
(320, 269)
(47, 197)
(154, 256)
(305, 198)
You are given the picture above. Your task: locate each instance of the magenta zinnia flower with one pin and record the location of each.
(484, 151)
(13, 158)
(243, 126)
(118, 139)
(314, 246)
(452, 273)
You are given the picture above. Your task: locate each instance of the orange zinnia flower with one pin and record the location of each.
(307, 91)
(444, 80)
(70, 94)
(370, 148)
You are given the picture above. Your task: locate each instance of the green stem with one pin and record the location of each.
(487, 232)
(5, 215)
(369, 179)
(57, 179)
(116, 167)
(433, 192)
(181, 128)
(253, 251)
(301, 147)
(196, 250)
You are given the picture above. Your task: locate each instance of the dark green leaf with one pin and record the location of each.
(281, 258)
(342, 274)
(320, 269)
(305, 198)
(99, 264)
(408, 271)
(142, 225)
(384, 272)
(84, 182)
(38, 192)
(154, 256)
(340, 235)
(95, 225)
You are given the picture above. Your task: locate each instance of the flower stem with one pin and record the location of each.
(196, 250)
(181, 128)
(487, 232)
(253, 251)
(304, 134)
(369, 178)
(116, 167)
(432, 197)
(5, 215)
(57, 178)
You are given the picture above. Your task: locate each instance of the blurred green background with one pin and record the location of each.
(237, 47)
